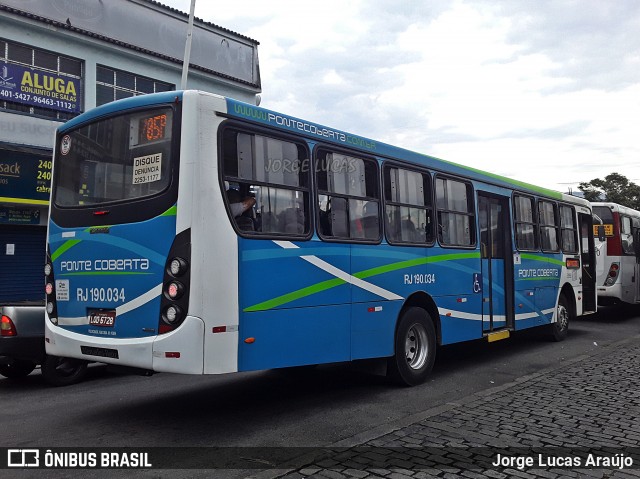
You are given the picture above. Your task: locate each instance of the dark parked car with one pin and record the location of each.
(22, 347)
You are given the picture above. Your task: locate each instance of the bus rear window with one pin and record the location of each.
(115, 159)
(605, 214)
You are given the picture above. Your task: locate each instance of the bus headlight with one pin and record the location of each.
(47, 269)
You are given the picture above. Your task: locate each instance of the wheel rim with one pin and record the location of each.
(563, 317)
(416, 346)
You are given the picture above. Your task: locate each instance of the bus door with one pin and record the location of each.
(588, 260)
(497, 262)
(635, 222)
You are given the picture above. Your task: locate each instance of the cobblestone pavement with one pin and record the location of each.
(561, 420)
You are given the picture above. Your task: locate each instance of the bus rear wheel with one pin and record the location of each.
(415, 348)
(59, 371)
(560, 328)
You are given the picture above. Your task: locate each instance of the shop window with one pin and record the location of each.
(18, 58)
(112, 84)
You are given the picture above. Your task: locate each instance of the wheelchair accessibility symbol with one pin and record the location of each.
(477, 283)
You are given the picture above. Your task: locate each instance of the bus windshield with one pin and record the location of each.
(115, 159)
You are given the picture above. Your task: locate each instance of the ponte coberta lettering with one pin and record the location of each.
(128, 264)
(303, 126)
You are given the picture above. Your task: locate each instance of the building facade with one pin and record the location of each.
(59, 58)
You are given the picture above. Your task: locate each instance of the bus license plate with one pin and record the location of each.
(104, 318)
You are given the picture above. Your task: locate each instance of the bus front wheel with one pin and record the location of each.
(415, 348)
(560, 328)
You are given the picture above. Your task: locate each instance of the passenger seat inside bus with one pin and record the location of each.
(408, 231)
(370, 220)
(292, 221)
(339, 219)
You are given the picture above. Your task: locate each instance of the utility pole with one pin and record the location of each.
(187, 47)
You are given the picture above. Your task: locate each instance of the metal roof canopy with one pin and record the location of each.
(154, 27)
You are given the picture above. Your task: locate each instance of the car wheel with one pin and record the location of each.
(415, 348)
(17, 369)
(59, 371)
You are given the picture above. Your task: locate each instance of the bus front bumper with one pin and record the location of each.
(180, 351)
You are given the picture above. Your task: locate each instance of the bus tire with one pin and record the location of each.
(59, 371)
(415, 348)
(17, 369)
(560, 328)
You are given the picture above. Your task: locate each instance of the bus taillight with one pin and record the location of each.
(177, 275)
(612, 277)
(50, 289)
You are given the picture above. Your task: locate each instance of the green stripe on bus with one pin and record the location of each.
(520, 184)
(65, 247)
(544, 259)
(301, 293)
(332, 283)
(103, 273)
(414, 262)
(173, 211)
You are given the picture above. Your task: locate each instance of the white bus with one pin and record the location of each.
(618, 262)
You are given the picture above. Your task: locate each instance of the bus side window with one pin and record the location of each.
(626, 235)
(455, 213)
(269, 174)
(348, 199)
(548, 220)
(408, 206)
(525, 222)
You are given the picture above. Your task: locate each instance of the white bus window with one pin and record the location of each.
(456, 217)
(348, 199)
(626, 235)
(408, 211)
(268, 176)
(568, 229)
(526, 238)
(547, 215)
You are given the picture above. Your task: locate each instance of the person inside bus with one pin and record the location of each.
(239, 206)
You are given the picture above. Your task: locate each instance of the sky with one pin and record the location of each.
(544, 91)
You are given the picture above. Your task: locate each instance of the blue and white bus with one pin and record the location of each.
(192, 233)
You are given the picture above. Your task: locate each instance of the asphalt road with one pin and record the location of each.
(304, 407)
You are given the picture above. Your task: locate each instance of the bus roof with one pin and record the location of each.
(317, 132)
(617, 207)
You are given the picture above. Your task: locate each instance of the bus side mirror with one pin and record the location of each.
(601, 236)
(636, 243)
